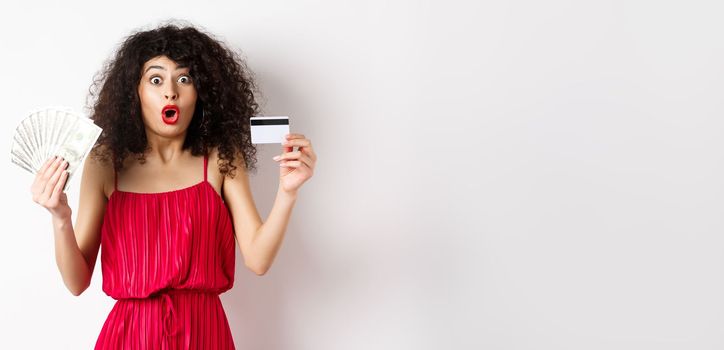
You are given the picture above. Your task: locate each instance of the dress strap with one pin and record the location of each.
(206, 161)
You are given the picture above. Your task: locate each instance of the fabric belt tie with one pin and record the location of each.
(170, 326)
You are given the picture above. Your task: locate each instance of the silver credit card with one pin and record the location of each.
(269, 129)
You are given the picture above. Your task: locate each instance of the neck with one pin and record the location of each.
(165, 149)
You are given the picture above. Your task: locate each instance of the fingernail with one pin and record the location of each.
(276, 158)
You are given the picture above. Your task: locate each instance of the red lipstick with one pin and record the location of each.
(170, 114)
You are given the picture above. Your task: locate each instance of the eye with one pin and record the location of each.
(184, 79)
(155, 80)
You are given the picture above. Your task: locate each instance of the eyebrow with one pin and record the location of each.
(162, 68)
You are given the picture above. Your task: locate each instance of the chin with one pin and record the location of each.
(170, 131)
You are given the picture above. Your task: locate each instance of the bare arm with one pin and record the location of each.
(260, 242)
(268, 238)
(75, 250)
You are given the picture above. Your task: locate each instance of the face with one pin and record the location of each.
(168, 97)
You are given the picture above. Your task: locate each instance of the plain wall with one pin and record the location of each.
(492, 175)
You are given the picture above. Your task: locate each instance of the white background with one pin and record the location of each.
(492, 175)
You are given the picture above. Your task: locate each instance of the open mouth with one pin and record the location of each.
(170, 114)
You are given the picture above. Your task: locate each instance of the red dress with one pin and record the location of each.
(165, 258)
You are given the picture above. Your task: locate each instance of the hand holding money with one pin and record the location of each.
(47, 189)
(53, 131)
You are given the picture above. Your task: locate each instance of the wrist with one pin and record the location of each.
(61, 219)
(288, 195)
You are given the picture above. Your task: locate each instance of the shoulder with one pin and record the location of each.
(218, 170)
(218, 164)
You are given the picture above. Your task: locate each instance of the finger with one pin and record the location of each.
(47, 164)
(51, 169)
(288, 155)
(54, 179)
(286, 148)
(297, 155)
(293, 136)
(50, 184)
(306, 161)
(290, 164)
(41, 178)
(309, 162)
(41, 172)
(296, 163)
(309, 152)
(298, 143)
(59, 186)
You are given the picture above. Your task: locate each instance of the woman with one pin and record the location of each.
(174, 105)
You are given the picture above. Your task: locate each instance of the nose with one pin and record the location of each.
(171, 94)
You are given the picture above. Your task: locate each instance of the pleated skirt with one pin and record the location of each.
(167, 321)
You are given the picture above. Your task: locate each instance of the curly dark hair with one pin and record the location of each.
(225, 97)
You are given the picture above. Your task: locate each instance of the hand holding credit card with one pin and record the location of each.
(269, 129)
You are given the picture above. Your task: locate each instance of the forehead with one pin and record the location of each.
(162, 63)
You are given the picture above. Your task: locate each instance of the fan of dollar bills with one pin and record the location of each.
(53, 131)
